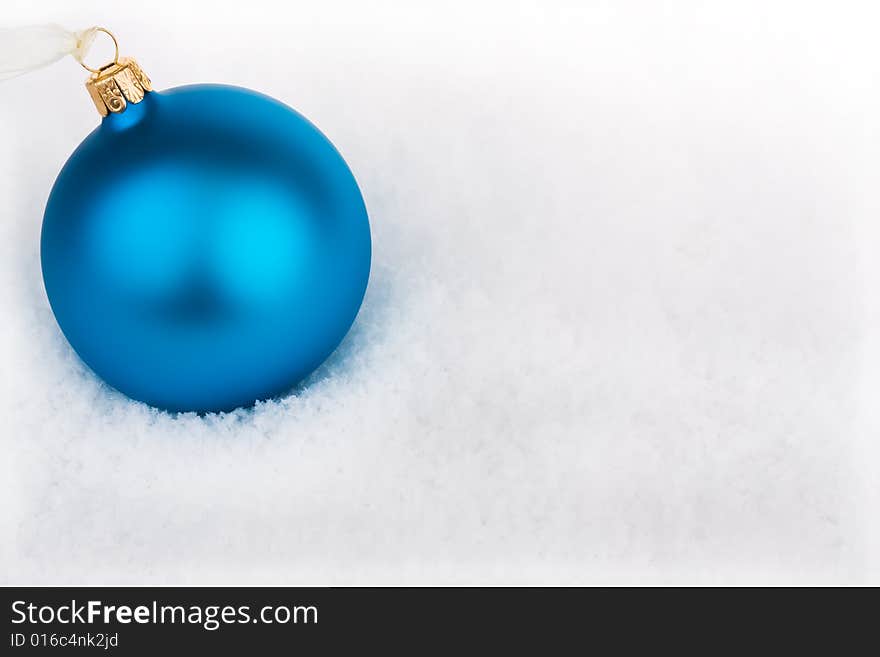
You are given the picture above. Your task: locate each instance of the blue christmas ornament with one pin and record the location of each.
(205, 247)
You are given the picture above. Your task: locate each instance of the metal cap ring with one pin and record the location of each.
(115, 56)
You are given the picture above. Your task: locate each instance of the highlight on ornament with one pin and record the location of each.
(206, 247)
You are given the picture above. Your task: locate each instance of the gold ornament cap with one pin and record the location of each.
(116, 84)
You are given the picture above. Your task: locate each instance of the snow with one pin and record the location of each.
(622, 327)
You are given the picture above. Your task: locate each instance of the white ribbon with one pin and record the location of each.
(26, 49)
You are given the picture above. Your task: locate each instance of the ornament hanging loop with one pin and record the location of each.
(115, 61)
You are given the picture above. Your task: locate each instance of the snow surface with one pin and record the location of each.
(623, 323)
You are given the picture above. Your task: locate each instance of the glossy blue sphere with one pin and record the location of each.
(205, 248)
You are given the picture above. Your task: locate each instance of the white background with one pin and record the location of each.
(623, 323)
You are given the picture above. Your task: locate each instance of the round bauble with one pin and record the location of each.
(205, 249)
